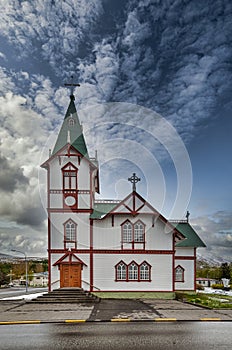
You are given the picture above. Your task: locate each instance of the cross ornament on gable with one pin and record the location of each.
(72, 85)
(134, 179)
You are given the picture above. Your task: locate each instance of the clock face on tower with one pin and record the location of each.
(70, 201)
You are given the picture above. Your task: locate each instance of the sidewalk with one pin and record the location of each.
(18, 311)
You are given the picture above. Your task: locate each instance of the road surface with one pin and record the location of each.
(117, 336)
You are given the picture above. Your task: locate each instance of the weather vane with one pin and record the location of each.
(72, 85)
(134, 179)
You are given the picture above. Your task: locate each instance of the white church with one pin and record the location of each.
(109, 245)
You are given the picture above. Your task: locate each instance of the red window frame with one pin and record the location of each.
(65, 234)
(182, 273)
(133, 242)
(127, 275)
(69, 171)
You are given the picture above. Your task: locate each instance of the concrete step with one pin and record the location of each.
(58, 301)
(66, 295)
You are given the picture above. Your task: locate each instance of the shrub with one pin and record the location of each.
(217, 286)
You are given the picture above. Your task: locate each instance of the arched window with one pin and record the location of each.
(144, 271)
(127, 232)
(70, 234)
(179, 274)
(121, 271)
(139, 232)
(134, 234)
(133, 271)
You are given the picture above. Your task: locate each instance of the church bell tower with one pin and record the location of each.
(72, 181)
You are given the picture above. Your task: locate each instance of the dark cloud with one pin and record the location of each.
(32, 216)
(11, 177)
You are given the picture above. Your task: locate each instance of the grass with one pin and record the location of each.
(209, 300)
(135, 295)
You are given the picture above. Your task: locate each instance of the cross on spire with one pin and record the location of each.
(187, 215)
(72, 85)
(134, 179)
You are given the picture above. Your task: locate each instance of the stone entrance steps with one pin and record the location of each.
(67, 295)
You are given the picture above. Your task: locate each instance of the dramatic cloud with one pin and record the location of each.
(49, 30)
(216, 231)
(171, 56)
(10, 177)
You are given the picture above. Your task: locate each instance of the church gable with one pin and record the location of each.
(133, 204)
(69, 153)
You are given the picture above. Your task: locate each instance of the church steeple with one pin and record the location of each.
(71, 131)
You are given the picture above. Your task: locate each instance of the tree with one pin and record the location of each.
(45, 265)
(4, 279)
(225, 270)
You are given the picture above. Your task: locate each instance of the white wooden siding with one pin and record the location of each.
(161, 272)
(188, 283)
(57, 229)
(185, 251)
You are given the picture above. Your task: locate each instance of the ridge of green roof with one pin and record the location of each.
(73, 132)
(192, 238)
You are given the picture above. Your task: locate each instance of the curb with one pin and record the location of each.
(72, 321)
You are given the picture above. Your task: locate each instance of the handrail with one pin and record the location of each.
(55, 282)
(91, 285)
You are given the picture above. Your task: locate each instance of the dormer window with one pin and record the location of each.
(71, 121)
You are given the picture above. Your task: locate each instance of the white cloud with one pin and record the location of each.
(2, 56)
(58, 28)
(216, 231)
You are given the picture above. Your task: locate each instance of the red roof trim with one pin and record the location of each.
(133, 194)
(60, 153)
(70, 255)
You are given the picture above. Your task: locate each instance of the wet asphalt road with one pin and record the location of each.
(108, 309)
(115, 336)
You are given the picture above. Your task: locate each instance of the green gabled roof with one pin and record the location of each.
(101, 209)
(73, 133)
(192, 238)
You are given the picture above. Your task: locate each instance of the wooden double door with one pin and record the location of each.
(70, 275)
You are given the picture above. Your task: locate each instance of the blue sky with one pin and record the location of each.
(155, 98)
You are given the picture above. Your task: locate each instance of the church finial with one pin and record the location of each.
(187, 215)
(134, 179)
(72, 85)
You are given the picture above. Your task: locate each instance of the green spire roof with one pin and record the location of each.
(71, 131)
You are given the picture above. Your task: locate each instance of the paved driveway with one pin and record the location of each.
(108, 309)
(149, 309)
